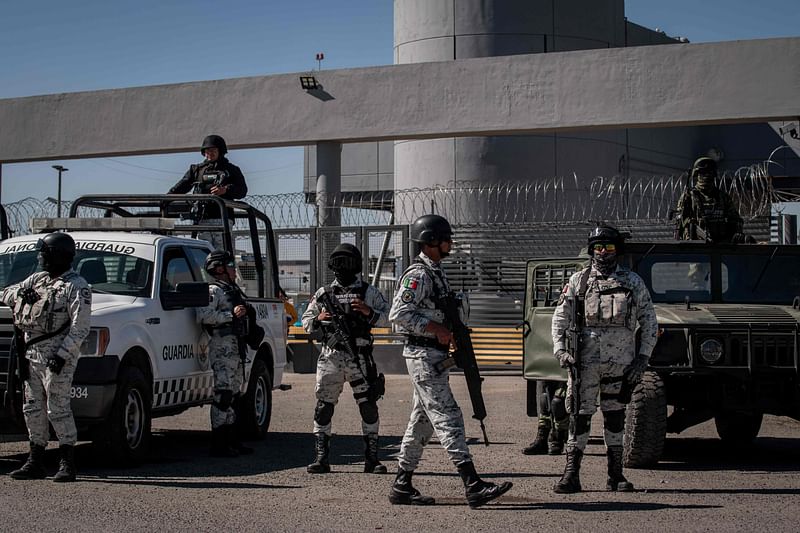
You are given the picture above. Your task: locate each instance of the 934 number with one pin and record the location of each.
(79, 392)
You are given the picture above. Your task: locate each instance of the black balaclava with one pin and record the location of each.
(345, 262)
(605, 263)
(54, 262)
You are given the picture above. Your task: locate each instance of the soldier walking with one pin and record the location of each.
(362, 307)
(225, 320)
(52, 309)
(613, 302)
(416, 311)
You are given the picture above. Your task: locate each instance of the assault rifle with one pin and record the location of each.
(464, 357)
(574, 341)
(205, 182)
(339, 335)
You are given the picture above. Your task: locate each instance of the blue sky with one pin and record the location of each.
(52, 46)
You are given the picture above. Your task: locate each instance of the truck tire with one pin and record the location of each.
(254, 409)
(737, 429)
(646, 422)
(125, 436)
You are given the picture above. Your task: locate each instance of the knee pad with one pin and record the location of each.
(580, 424)
(223, 399)
(323, 413)
(369, 412)
(558, 408)
(614, 421)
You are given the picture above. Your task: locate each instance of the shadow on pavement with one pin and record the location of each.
(770, 454)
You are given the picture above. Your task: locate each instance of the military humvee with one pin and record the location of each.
(728, 343)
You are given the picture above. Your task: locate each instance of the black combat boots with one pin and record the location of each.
(66, 466)
(539, 444)
(322, 447)
(221, 442)
(557, 440)
(616, 481)
(479, 492)
(235, 441)
(403, 493)
(570, 482)
(371, 463)
(33, 467)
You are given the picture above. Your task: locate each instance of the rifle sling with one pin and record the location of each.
(46, 336)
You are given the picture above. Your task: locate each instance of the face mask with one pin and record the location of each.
(345, 277)
(705, 183)
(54, 266)
(605, 264)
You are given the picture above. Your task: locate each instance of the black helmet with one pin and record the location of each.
(430, 229)
(606, 235)
(57, 245)
(214, 141)
(345, 257)
(704, 166)
(217, 258)
(57, 250)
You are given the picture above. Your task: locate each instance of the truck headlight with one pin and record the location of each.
(96, 342)
(711, 351)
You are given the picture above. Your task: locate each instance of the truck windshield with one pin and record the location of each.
(762, 278)
(106, 272)
(673, 277)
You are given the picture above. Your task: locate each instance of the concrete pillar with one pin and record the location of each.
(329, 183)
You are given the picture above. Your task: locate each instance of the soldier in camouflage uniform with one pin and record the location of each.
(616, 303)
(225, 323)
(53, 309)
(553, 427)
(363, 307)
(707, 212)
(416, 313)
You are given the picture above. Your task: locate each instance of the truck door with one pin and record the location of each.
(177, 336)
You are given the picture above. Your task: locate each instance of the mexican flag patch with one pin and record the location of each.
(410, 283)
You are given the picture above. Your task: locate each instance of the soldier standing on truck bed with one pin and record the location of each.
(609, 302)
(216, 175)
(360, 307)
(52, 309)
(417, 313)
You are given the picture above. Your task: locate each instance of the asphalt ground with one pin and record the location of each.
(699, 486)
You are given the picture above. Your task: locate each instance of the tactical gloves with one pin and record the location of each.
(55, 363)
(633, 374)
(565, 358)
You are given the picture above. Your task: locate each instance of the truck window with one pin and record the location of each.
(176, 269)
(197, 260)
(761, 278)
(672, 277)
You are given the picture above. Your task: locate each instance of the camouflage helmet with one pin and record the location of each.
(606, 235)
(214, 141)
(704, 166)
(431, 230)
(345, 257)
(217, 258)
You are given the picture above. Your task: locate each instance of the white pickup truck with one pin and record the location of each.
(144, 356)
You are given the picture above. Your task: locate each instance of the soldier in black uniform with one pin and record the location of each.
(216, 175)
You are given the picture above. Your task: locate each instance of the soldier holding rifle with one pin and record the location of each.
(594, 337)
(423, 311)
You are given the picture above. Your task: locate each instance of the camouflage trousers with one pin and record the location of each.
(597, 378)
(223, 354)
(549, 394)
(333, 369)
(45, 388)
(433, 409)
(214, 237)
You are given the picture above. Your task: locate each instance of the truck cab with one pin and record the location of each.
(145, 355)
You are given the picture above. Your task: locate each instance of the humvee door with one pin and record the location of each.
(544, 282)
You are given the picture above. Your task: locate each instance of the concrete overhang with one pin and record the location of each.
(649, 86)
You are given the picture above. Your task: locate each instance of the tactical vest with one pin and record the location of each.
(40, 314)
(608, 304)
(359, 324)
(710, 213)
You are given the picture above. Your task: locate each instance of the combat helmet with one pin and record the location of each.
(217, 258)
(430, 230)
(345, 258)
(606, 234)
(214, 141)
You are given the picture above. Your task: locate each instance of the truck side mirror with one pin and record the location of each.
(186, 294)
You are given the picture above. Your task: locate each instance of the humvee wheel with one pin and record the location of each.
(738, 429)
(646, 422)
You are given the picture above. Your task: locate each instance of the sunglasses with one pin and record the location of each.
(609, 247)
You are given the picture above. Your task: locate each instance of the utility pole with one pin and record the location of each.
(60, 169)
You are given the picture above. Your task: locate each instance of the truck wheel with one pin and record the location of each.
(738, 429)
(125, 436)
(254, 410)
(646, 422)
